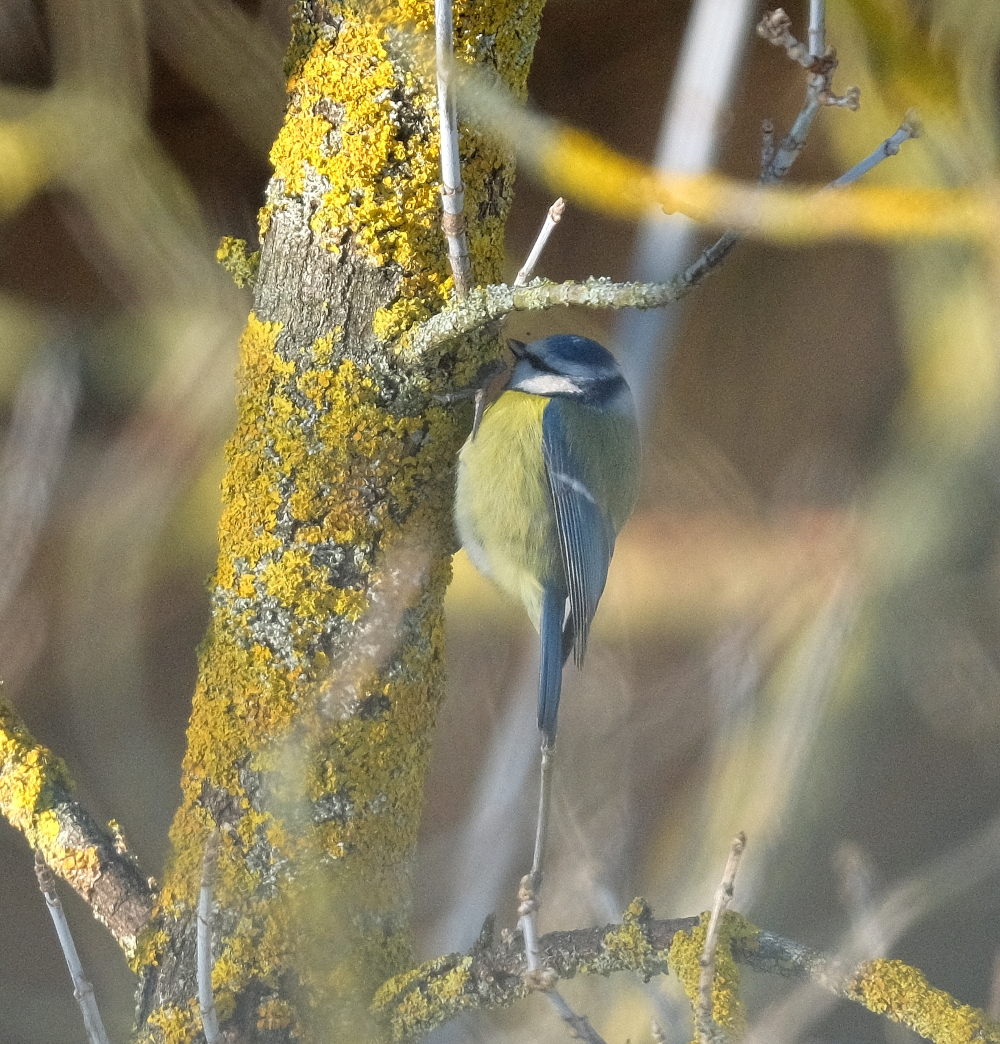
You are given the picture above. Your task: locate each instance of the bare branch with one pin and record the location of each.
(578, 1024)
(83, 991)
(539, 977)
(766, 146)
(542, 823)
(794, 141)
(708, 1030)
(33, 453)
(910, 128)
(35, 798)
(526, 910)
(817, 28)
(452, 189)
(484, 304)
(775, 27)
(552, 219)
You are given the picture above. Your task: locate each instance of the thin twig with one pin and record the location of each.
(910, 128)
(548, 226)
(775, 27)
(539, 977)
(708, 1030)
(452, 190)
(526, 910)
(766, 146)
(206, 998)
(579, 1024)
(817, 28)
(83, 991)
(794, 141)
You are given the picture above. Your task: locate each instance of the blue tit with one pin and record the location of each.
(544, 486)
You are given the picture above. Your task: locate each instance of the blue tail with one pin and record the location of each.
(552, 660)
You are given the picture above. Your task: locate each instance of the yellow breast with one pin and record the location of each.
(503, 509)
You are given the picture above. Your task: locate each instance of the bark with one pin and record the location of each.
(321, 674)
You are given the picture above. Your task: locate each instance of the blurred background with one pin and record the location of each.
(800, 633)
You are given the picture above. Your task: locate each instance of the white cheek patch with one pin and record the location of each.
(547, 384)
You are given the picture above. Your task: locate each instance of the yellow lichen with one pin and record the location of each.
(627, 945)
(149, 947)
(452, 986)
(232, 255)
(424, 997)
(274, 1014)
(177, 1024)
(28, 772)
(684, 960)
(902, 994)
(362, 127)
(32, 782)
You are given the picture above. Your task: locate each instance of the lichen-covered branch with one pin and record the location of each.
(886, 987)
(36, 799)
(493, 975)
(487, 303)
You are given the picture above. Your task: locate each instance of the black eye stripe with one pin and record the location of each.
(540, 364)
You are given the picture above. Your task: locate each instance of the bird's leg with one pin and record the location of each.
(542, 826)
(531, 883)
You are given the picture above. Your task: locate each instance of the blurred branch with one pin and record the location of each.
(491, 976)
(32, 457)
(701, 96)
(100, 47)
(35, 799)
(231, 58)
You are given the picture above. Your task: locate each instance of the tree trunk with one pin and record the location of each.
(322, 671)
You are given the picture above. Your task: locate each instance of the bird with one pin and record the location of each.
(545, 482)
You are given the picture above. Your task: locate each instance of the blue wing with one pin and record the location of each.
(552, 658)
(586, 534)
